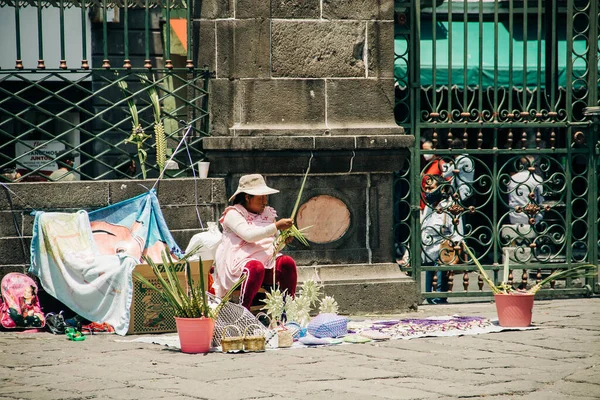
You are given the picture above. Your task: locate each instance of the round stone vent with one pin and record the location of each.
(329, 217)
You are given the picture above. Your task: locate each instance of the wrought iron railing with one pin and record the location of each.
(500, 89)
(50, 103)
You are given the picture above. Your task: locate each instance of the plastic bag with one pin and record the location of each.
(210, 240)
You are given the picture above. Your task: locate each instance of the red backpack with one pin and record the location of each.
(20, 305)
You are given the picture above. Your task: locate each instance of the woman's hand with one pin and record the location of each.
(289, 240)
(284, 223)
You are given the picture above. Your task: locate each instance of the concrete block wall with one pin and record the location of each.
(177, 198)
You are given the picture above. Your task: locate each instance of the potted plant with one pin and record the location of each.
(514, 306)
(194, 316)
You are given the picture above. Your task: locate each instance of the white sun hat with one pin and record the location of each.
(253, 184)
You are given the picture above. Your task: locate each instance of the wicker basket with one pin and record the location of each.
(232, 343)
(285, 337)
(254, 338)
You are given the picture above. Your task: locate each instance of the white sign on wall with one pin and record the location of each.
(38, 158)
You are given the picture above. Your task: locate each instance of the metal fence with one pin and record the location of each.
(502, 97)
(61, 75)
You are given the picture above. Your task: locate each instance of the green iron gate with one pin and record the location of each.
(62, 62)
(507, 95)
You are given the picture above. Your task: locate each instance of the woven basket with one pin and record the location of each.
(285, 337)
(232, 343)
(254, 338)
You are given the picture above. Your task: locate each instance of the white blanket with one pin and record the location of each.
(64, 257)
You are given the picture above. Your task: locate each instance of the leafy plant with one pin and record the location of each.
(137, 137)
(580, 271)
(190, 302)
(300, 307)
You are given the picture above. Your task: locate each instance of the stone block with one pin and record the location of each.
(225, 48)
(219, 193)
(384, 142)
(185, 217)
(11, 251)
(359, 9)
(126, 189)
(221, 106)
(366, 288)
(245, 9)
(206, 48)
(360, 102)
(317, 49)
(212, 9)
(7, 224)
(182, 236)
(280, 102)
(183, 191)
(46, 196)
(177, 191)
(381, 49)
(305, 9)
(295, 162)
(243, 48)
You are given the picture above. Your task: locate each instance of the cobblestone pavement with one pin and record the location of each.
(560, 360)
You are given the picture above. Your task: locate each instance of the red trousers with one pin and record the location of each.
(257, 276)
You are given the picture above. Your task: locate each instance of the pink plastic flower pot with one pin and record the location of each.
(195, 334)
(514, 310)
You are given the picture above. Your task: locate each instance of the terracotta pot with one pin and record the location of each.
(514, 310)
(195, 334)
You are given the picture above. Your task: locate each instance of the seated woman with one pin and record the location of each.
(249, 231)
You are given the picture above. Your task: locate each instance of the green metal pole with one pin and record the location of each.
(415, 89)
(63, 58)
(465, 57)
(190, 62)
(434, 55)
(481, 60)
(126, 61)
(449, 60)
(510, 56)
(539, 59)
(84, 62)
(569, 130)
(19, 61)
(41, 64)
(593, 139)
(525, 16)
(495, 63)
(147, 62)
(552, 80)
(168, 36)
(106, 62)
